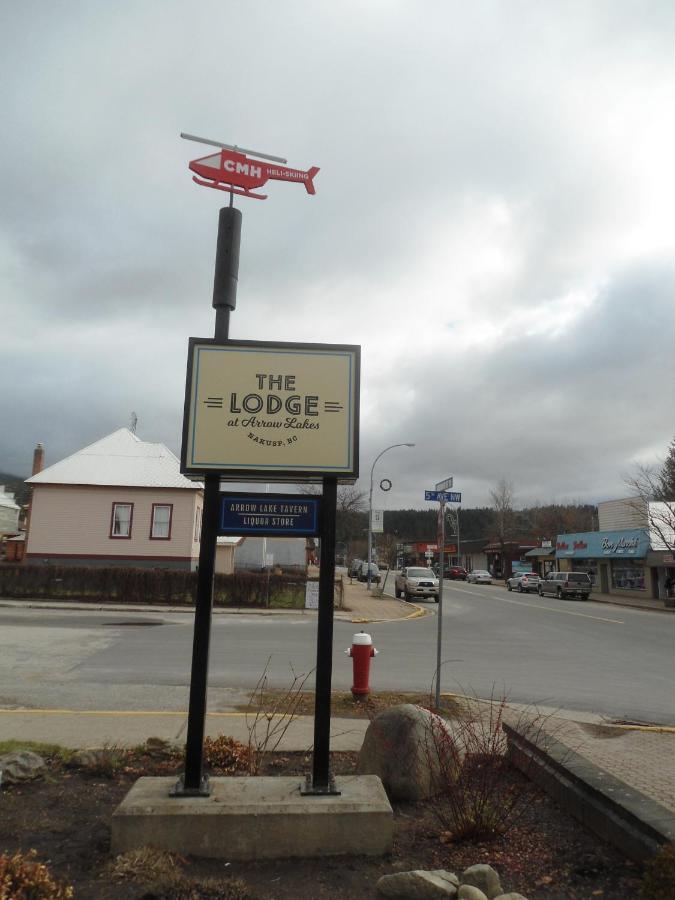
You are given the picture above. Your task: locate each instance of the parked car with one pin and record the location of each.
(566, 584)
(416, 581)
(456, 573)
(479, 576)
(374, 572)
(355, 568)
(523, 581)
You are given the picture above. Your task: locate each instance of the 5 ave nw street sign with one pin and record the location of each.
(447, 496)
(277, 411)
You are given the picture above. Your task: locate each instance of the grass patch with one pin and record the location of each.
(52, 751)
(288, 600)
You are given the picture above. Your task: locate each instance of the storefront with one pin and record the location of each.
(503, 558)
(422, 553)
(615, 560)
(542, 559)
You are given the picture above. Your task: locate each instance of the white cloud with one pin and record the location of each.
(493, 223)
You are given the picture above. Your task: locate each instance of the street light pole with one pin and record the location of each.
(370, 505)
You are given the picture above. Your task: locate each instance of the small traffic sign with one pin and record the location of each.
(447, 496)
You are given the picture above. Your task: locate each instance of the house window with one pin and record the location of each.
(198, 524)
(120, 525)
(161, 521)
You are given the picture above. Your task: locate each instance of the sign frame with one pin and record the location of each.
(261, 529)
(345, 357)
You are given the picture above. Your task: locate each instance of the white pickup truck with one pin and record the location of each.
(416, 581)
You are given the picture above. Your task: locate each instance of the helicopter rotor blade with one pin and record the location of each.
(201, 140)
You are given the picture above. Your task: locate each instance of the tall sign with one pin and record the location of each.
(270, 412)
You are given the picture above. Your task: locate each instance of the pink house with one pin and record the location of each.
(120, 501)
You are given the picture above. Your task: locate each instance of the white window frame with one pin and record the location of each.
(113, 521)
(154, 523)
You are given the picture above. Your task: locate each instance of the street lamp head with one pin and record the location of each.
(408, 445)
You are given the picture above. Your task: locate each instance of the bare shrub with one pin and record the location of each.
(106, 762)
(267, 722)
(481, 795)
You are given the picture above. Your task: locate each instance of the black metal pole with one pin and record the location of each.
(194, 783)
(321, 777)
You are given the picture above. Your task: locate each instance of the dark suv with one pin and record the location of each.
(566, 584)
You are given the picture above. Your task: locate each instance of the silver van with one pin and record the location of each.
(566, 584)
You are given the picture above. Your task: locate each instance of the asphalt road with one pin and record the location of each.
(581, 656)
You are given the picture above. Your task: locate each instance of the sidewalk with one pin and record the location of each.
(362, 605)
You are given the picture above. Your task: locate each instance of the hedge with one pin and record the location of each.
(129, 585)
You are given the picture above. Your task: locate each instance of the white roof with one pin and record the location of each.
(120, 459)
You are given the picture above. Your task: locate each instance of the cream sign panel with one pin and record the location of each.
(271, 409)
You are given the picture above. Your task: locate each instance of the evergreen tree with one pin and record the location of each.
(666, 480)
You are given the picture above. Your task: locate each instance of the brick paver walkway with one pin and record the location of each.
(644, 760)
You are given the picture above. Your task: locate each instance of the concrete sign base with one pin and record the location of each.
(256, 818)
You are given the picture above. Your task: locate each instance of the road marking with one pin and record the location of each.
(562, 612)
(119, 712)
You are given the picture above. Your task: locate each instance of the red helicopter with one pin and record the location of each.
(233, 171)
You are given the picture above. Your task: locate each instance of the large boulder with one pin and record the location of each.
(469, 892)
(21, 765)
(483, 877)
(412, 750)
(419, 885)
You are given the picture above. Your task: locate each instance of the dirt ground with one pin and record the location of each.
(65, 816)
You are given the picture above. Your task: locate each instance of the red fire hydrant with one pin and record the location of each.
(361, 651)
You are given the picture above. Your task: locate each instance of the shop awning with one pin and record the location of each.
(542, 551)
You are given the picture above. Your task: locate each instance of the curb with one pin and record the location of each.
(633, 822)
(416, 614)
(624, 604)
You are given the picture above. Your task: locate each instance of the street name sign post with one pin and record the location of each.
(441, 496)
(270, 412)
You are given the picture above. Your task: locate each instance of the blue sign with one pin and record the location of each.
(599, 544)
(448, 496)
(269, 515)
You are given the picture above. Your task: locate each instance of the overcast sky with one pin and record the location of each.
(493, 224)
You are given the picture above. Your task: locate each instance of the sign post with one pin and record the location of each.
(441, 571)
(442, 496)
(193, 782)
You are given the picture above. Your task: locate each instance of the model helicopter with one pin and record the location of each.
(233, 171)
